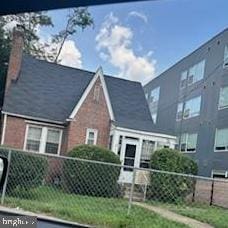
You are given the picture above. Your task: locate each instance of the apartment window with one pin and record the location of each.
(226, 57)
(219, 173)
(183, 81)
(221, 139)
(52, 143)
(188, 142)
(33, 139)
(179, 111)
(147, 149)
(43, 139)
(91, 136)
(196, 72)
(153, 104)
(192, 107)
(223, 98)
(146, 95)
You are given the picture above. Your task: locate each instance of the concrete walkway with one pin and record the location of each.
(173, 216)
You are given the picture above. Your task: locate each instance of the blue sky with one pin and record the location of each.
(148, 36)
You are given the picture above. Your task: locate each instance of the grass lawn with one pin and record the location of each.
(90, 210)
(217, 217)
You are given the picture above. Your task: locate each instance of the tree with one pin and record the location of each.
(77, 18)
(32, 23)
(169, 187)
(4, 57)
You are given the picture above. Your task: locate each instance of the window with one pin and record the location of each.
(96, 93)
(196, 72)
(147, 149)
(153, 103)
(161, 145)
(43, 139)
(192, 107)
(91, 136)
(52, 143)
(33, 139)
(179, 111)
(183, 82)
(219, 173)
(188, 142)
(146, 95)
(120, 145)
(221, 139)
(223, 98)
(110, 142)
(225, 57)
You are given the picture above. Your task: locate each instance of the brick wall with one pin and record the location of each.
(92, 114)
(15, 132)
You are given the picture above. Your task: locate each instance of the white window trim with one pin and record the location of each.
(186, 142)
(95, 131)
(218, 151)
(4, 129)
(225, 60)
(43, 139)
(220, 172)
(222, 107)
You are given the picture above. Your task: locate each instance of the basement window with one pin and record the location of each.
(219, 174)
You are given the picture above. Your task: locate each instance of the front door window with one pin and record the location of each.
(129, 158)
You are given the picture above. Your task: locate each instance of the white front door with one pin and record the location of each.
(128, 157)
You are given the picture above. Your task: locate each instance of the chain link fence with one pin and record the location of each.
(90, 192)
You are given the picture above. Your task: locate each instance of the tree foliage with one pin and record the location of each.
(170, 187)
(90, 178)
(78, 18)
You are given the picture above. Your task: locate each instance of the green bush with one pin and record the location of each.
(88, 178)
(168, 187)
(26, 171)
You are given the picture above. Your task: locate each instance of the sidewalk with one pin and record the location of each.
(173, 216)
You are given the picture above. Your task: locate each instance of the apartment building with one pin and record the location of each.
(190, 100)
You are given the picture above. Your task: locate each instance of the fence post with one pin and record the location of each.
(212, 192)
(6, 180)
(194, 190)
(131, 192)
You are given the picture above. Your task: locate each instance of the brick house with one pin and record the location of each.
(49, 108)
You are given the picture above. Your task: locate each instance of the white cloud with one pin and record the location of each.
(70, 55)
(139, 15)
(114, 41)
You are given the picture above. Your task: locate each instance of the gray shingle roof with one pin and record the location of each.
(50, 91)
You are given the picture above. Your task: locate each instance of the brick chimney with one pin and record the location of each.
(15, 56)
